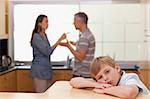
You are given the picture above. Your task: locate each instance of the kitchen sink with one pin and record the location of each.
(59, 64)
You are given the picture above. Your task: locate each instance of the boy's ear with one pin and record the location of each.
(117, 67)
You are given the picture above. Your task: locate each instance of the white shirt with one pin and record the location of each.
(133, 79)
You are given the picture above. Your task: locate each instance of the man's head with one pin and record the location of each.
(105, 70)
(80, 19)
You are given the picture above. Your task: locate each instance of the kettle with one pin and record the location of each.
(6, 60)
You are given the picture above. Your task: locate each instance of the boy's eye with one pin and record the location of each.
(95, 79)
(100, 77)
(107, 71)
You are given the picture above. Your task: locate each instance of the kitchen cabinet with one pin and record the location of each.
(144, 76)
(16, 80)
(8, 81)
(62, 75)
(3, 19)
(6, 16)
(24, 82)
(19, 80)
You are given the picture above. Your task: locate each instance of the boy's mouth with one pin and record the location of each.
(109, 82)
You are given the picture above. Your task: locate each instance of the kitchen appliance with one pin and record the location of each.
(6, 60)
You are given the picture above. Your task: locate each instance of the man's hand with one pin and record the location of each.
(63, 44)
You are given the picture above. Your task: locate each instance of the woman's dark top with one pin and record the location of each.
(41, 64)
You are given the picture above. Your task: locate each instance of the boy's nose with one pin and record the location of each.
(105, 77)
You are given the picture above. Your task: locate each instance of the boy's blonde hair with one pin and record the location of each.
(98, 62)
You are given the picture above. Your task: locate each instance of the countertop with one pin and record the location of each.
(27, 67)
(124, 66)
(62, 90)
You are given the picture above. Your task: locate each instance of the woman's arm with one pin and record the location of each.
(59, 40)
(126, 91)
(41, 45)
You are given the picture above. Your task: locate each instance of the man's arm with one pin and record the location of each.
(80, 55)
(73, 43)
(126, 91)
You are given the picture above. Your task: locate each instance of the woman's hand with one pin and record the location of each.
(62, 37)
(59, 40)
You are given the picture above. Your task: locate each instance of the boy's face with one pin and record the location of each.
(108, 75)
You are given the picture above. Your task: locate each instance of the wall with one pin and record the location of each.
(119, 30)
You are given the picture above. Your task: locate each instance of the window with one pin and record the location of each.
(118, 28)
(60, 21)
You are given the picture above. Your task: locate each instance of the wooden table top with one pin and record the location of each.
(61, 90)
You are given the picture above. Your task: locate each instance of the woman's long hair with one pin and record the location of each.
(37, 28)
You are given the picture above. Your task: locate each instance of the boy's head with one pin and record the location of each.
(104, 70)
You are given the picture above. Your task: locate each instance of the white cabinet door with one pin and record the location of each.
(98, 49)
(113, 32)
(115, 50)
(147, 20)
(136, 51)
(96, 29)
(134, 32)
(133, 13)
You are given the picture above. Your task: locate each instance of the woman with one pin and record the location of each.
(41, 68)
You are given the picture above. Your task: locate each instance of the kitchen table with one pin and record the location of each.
(61, 90)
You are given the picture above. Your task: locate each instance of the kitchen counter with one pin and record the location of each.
(124, 66)
(11, 68)
(62, 90)
(27, 67)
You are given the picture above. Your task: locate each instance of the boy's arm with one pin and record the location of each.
(126, 91)
(80, 82)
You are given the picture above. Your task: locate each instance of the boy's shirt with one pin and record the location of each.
(133, 79)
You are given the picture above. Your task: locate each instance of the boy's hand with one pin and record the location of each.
(102, 86)
(100, 91)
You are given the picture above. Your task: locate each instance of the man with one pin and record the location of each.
(85, 47)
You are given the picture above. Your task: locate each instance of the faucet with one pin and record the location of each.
(69, 61)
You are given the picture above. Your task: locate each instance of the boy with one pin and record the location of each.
(110, 79)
